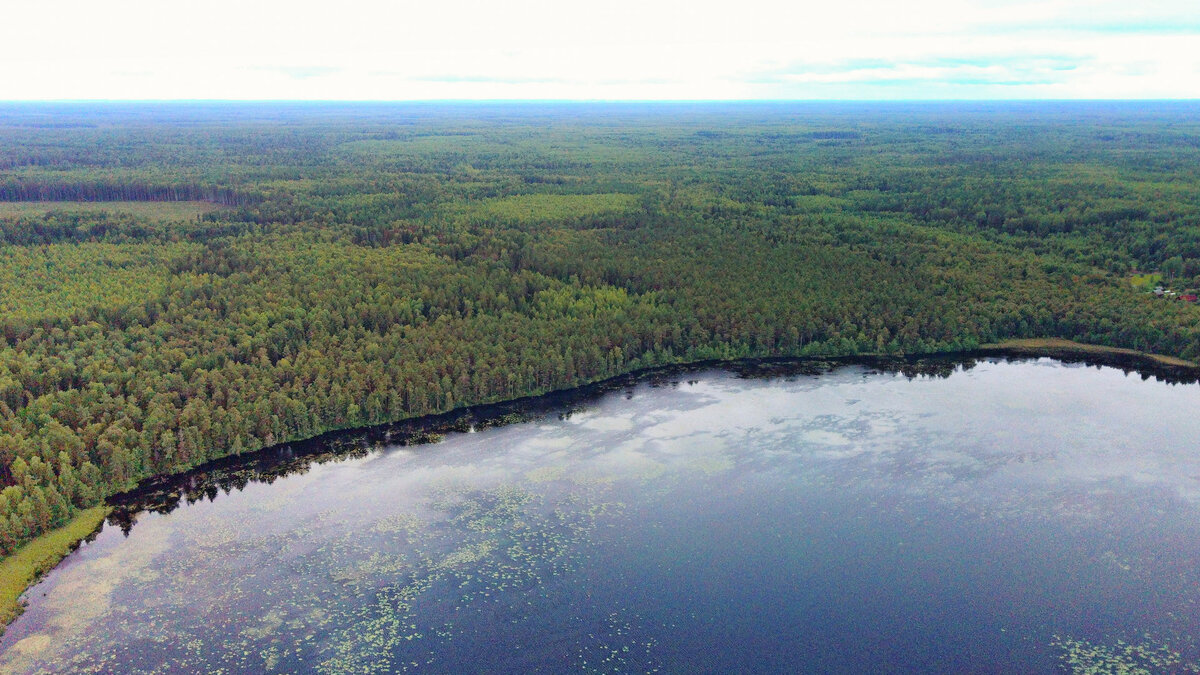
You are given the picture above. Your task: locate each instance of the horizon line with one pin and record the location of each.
(600, 100)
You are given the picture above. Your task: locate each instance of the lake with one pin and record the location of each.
(1003, 516)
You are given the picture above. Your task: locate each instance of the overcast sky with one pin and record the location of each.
(618, 49)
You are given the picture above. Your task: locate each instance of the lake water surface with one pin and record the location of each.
(1013, 517)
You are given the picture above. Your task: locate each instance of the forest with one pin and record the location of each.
(182, 282)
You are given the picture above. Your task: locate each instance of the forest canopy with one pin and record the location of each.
(182, 282)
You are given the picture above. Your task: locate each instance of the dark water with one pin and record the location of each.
(1013, 517)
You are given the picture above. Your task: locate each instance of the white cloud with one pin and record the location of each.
(375, 49)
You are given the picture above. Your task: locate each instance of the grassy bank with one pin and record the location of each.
(1057, 346)
(21, 569)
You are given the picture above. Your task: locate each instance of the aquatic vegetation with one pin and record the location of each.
(1144, 657)
(489, 545)
(485, 544)
(398, 522)
(84, 596)
(620, 646)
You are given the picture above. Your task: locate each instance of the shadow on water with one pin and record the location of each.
(164, 494)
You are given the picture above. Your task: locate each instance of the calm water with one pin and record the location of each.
(1013, 517)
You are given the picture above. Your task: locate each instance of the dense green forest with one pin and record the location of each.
(243, 275)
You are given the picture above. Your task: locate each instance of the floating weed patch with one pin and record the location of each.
(1120, 562)
(619, 647)
(398, 523)
(267, 626)
(467, 555)
(1144, 657)
(492, 547)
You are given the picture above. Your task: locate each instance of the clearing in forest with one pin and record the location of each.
(153, 210)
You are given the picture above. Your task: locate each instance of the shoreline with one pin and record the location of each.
(24, 568)
(1058, 346)
(162, 494)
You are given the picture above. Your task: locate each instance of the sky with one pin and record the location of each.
(612, 50)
